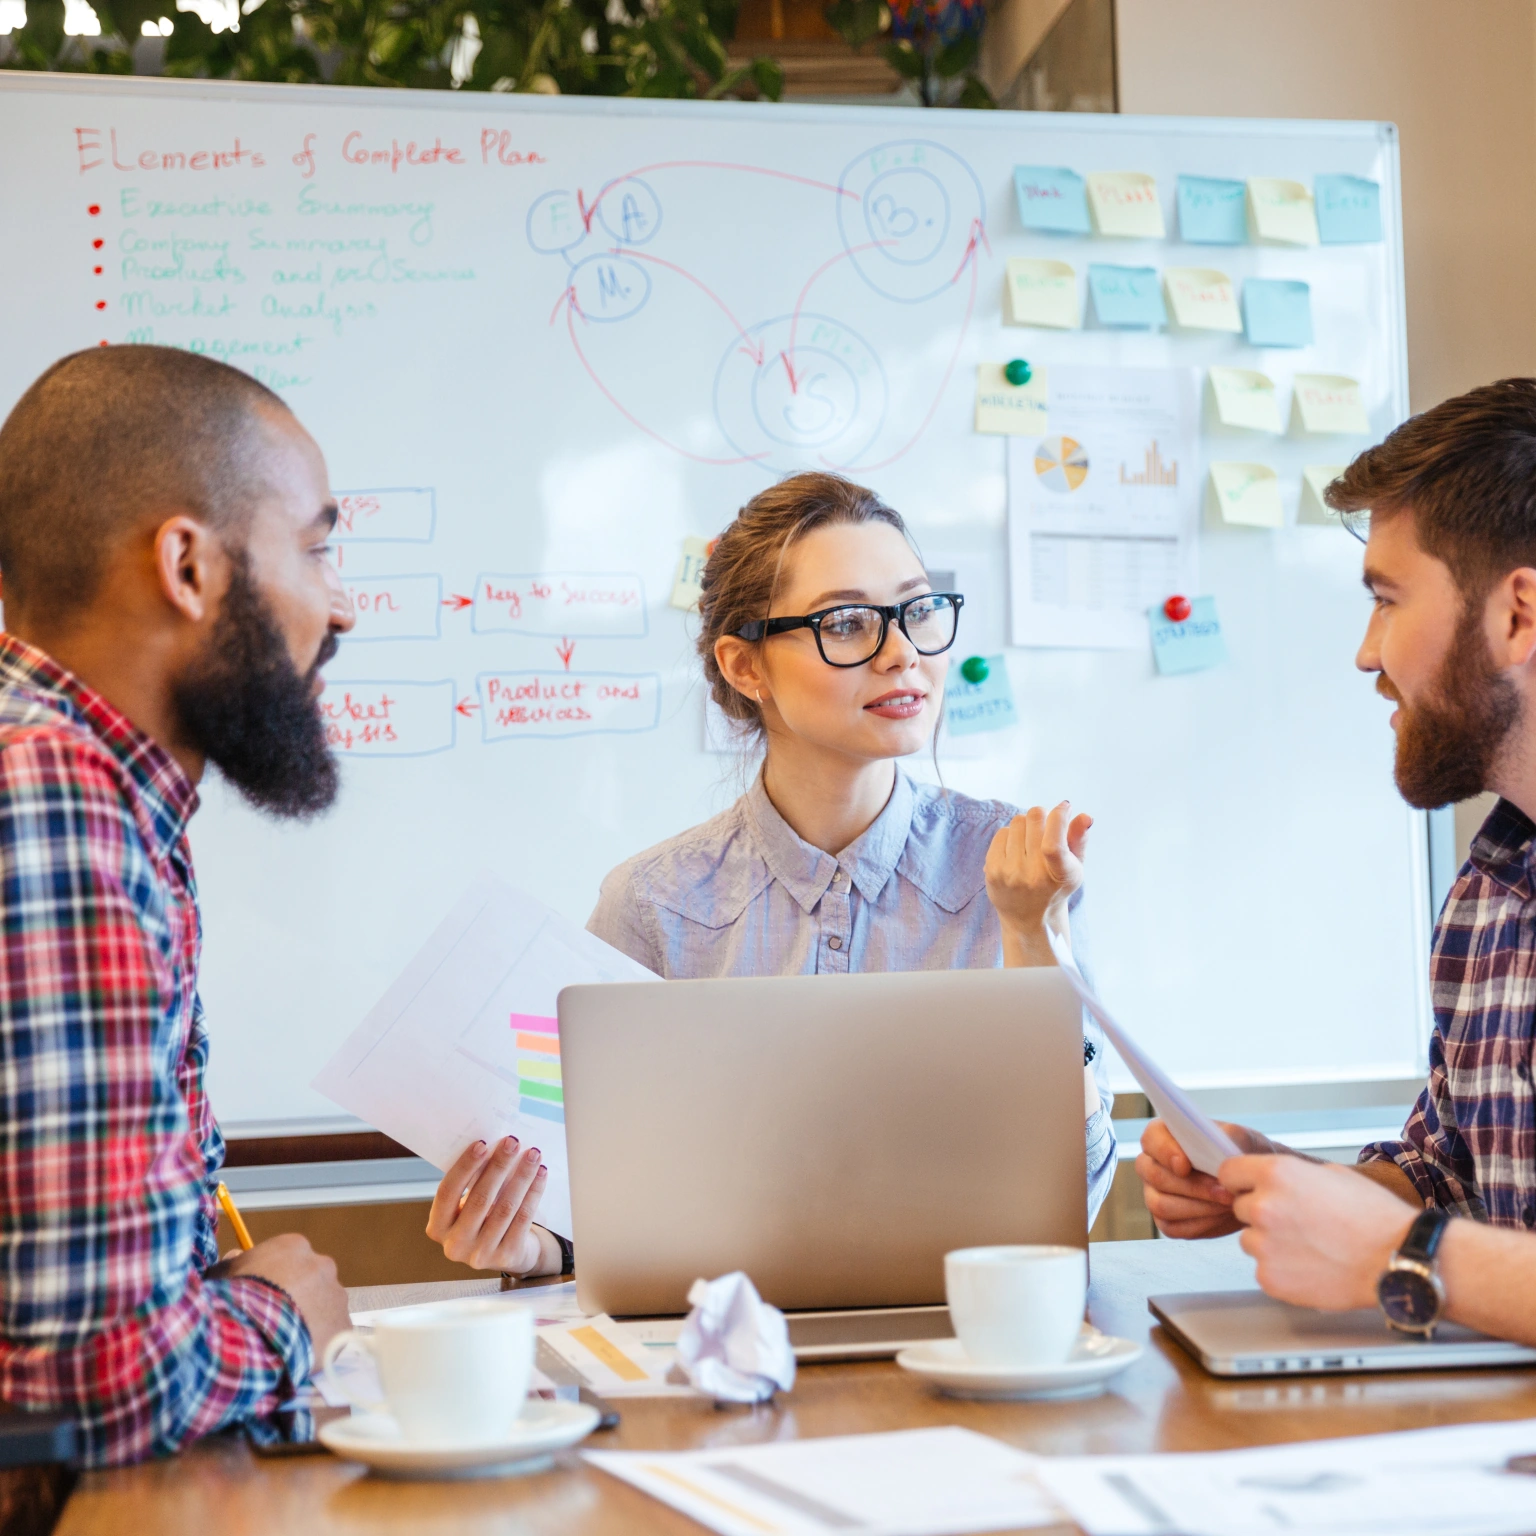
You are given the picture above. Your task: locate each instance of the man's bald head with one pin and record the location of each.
(113, 440)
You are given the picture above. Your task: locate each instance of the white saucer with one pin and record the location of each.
(1094, 1359)
(543, 1428)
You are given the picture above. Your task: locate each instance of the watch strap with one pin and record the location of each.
(1424, 1237)
(567, 1254)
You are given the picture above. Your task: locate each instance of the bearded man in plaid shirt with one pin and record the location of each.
(168, 605)
(1440, 1225)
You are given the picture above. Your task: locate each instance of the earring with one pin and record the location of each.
(759, 698)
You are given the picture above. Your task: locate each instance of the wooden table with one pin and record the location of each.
(1164, 1402)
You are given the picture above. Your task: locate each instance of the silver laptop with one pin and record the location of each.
(1246, 1333)
(833, 1136)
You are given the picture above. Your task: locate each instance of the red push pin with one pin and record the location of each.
(94, 209)
(1177, 608)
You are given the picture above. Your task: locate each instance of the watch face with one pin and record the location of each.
(1408, 1299)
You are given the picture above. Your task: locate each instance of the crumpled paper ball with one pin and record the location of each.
(734, 1346)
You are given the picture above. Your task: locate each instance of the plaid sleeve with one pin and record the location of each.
(104, 1310)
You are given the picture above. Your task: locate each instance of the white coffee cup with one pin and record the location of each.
(1017, 1306)
(453, 1372)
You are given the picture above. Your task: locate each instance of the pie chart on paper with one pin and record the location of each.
(1061, 463)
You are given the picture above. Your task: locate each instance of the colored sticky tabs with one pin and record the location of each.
(688, 584)
(1018, 410)
(1042, 293)
(1124, 203)
(1191, 645)
(1315, 479)
(1277, 312)
(1282, 211)
(1212, 211)
(1330, 402)
(1247, 495)
(1348, 210)
(1245, 398)
(1202, 299)
(971, 708)
(1128, 296)
(1051, 198)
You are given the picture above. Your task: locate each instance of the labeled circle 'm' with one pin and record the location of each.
(609, 287)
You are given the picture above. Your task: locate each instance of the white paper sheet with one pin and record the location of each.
(622, 1359)
(914, 1482)
(439, 1063)
(1205, 1143)
(1449, 1481)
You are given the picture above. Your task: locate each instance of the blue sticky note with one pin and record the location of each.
(1212, 211)
(1127, 295)
(1191, 646)
(1277, 312)
(970, 708)
(1348, 210)
(1052, 198)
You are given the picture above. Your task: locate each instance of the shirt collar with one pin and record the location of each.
(168, 794)
(806, 872)
(1505, 848)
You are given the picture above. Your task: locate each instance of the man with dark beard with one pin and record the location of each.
(1451, 566)
(168, 604)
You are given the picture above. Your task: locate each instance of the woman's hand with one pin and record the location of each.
(1034, 865)
(483, 1210)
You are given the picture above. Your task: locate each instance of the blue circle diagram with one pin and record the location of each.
(609, 287)
(629, 211)
(555, 223)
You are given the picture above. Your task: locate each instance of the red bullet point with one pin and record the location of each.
(97, 271)
(1178, 609)
(96, 245)
(101, 303)
(94, 209)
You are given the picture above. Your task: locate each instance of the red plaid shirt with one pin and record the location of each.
(108, 1149)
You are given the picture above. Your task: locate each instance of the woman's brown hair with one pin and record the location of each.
(742, 573)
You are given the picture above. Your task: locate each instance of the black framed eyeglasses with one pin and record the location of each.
(853, 633)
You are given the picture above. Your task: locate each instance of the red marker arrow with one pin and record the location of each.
(753, 349)
(465, 708)
(565, 650)
(794, 319)
(458, 602)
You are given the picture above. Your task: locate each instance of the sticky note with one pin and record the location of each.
(1277, 312)
(1348, 210)
(971, 708)
(1202, 299)
(1282, 211)
(1245, 398)
(1315, 479)
(687, 585)
(1051, 198)
(1042, 293)
(1125, 203)
(1212, 211)
(1330, 402)
(1017, 410)
(1130, 296)
(1247, 494)
(1191, 645)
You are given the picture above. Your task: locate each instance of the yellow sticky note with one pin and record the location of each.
(1315, 479)
(687, 585)
(1125, 203)
(1247, 494)
(1330, 402)
(1042, 293)
(1245, 398)
(1202, 299)
(1017, 410)
(1282, 210)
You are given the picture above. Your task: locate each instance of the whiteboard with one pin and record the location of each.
(528, 334)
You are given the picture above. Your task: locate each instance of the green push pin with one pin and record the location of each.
(1018, 372)
(974, 669)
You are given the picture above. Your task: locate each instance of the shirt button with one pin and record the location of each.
(837, 879)
(837, 943)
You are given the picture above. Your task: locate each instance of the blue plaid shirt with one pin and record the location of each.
(1470, 1144)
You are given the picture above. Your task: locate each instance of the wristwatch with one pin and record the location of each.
(1409, 1292)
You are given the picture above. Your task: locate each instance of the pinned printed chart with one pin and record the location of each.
(1348, 210)
(1212, 211)
(1282, 211)
(1277, 312)
(1202, 299)
(1129, 297)
(1188, 645)
(1330, 402)
(1015, 410)
(688, 584)
(987, 705)
(1315, 479)
(1125, 204)
(1042, 292)
(1245, 399)
(1061, 464)
(1247, 495)
(1051, 198)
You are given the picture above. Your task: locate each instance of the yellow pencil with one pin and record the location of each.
(236, 1220)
